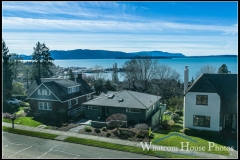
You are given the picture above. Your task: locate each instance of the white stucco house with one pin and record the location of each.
(210, 103)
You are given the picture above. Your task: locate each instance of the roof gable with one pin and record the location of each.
(225, 85)
(56, 86)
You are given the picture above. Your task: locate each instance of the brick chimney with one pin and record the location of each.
(38, 80)
(186, 72)
(80, 75)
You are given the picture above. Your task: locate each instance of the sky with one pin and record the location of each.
(190, 28)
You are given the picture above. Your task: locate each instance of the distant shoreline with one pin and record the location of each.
(153, 57)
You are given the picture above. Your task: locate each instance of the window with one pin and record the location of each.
(73, 89)
(133, 110)
(88, 96)
(93, 107)
(152, 107)
(201, 121)
(76, 99)
(45, 106)
(77, 88)
(69, 90)
(44, 92)
(69, 104)
(202, 100)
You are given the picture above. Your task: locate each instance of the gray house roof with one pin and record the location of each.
(225, 85)
(55, 85)
(131, 99)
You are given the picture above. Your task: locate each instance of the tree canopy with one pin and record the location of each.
(223, 69)
(7, 72)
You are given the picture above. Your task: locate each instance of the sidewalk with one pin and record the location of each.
(63, 135)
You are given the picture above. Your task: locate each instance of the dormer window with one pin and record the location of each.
(44, 92)
(73, 89)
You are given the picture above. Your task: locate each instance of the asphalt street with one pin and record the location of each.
(20, 146)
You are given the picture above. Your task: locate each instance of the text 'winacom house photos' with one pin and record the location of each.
(210, 103)
(58, 98)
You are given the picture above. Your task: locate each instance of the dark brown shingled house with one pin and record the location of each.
(51, 96)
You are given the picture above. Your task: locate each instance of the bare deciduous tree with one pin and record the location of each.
(140, 69)
(98, 72)
(206, 69)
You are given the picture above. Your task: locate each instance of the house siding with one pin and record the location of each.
(212, 109)
(53, 113)
(93, 114)
(45, 97)
(151, 112)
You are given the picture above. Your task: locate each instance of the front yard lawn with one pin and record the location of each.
(27, 121)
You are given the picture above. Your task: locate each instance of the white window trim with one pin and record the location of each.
(69, 104)
(129, 110)
(91, 107)
(48, 106)
(44, 92)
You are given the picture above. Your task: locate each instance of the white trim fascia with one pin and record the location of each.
(43, 99)
(34, 91)
(52, 93)
(77, 97)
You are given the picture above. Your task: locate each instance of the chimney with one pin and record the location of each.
(80, 76)
(38, 80)
(185, 78)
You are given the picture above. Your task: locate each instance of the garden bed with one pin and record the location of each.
(123, 133)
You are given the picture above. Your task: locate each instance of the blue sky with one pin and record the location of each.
(190, 28)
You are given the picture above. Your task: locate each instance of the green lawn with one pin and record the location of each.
(29, 133)
(27, 121)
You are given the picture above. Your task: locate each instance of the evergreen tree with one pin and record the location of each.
(46, 62)
(223, 69)
(71, 75)
(37, 57)
(42, 61)
(7, 72)
(17, 66)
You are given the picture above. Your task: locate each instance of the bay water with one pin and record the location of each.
(194, 64)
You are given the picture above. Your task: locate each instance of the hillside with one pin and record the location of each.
(104, 54)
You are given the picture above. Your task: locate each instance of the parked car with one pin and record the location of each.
(14, 101)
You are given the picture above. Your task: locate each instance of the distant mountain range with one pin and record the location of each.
(105, 54)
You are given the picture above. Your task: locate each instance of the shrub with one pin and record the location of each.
(108, 134)
(97, 130)
(175, 117)
(87, 129)
(179, 112)
(167, 124)
(104, 129)
(140, 136)
(116, 120)
(141, 126)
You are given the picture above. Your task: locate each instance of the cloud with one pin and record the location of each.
(109, 26)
